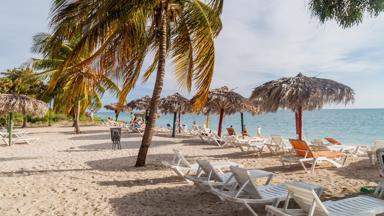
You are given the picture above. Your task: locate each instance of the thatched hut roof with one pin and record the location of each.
(309, 93)
(140, 104)
(227, 99)
(116, 107)
(175, 103)
(22, 104)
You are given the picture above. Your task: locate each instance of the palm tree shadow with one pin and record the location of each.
(179, 200)
(17, 158)
(127, 163)
(143, 182)
(361, 169)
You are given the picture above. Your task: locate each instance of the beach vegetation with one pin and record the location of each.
(123, 34)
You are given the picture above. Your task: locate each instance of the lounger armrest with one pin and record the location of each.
(275, 211)
(305, 151)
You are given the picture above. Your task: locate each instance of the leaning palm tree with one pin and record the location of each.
(122, 33)
(76, 88)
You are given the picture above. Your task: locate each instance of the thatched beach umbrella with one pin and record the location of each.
(12, 103)
(141, 104)
(225, 101)
(300, 93)
(117, 108)
(175, 104)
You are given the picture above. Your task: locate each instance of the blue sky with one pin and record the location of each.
(261, 40)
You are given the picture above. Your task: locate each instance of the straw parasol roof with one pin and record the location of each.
(307, 93)
(140, 104)
(22, 104)
(117, 107)
(175, 103)
(227, 99)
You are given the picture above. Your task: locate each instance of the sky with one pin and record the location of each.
(261, 41)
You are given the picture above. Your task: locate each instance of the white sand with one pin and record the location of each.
(68, 174)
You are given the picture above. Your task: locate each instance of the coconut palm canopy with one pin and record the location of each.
(307, 93)
(227, 99)
(140, 104)
(22, 104)
(175, 103)
(117, 107)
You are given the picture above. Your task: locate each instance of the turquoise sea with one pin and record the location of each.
(351, 126)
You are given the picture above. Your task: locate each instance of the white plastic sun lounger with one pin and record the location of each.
(211, 177)
(278, 144)
(251, 144)
(379, 192)
(19, 138)
(354, 150)
(183, 167)
(248, 193)
(311, 205)
(371, 153)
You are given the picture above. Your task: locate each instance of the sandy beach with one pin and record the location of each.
(68, 174)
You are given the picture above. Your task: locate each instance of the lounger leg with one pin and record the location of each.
(250, 209)
(313, 166)
(303, 165)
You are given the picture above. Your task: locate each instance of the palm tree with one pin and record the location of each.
(23, 80)
(75, 88)
(345, 12)
(123, 33)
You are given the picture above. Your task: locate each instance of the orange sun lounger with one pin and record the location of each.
(305, 154)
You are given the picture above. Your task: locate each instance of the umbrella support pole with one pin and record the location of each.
(299, 123)
(207, 121)
(174, 124)
(220, 122)
(242, 122)
(179, 123)
(10, 129)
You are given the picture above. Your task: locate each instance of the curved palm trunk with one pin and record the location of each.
(77, 118)
(147, 138)
(24, 121)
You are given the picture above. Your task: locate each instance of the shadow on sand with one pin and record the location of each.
(37, 172)
(17, 158)
(361, 169)
(179, 200)
(127, 163)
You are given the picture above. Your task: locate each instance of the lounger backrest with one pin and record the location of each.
(307, 199)
(242, 178)
(318, 142)
(277, 140)
(378, 144)
(301, 147)
(380, 160)
(231, 131)
(180, 158)
(208, 169)
(332, 141)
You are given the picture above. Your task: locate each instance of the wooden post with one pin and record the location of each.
(220, 122)
(174, 124)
